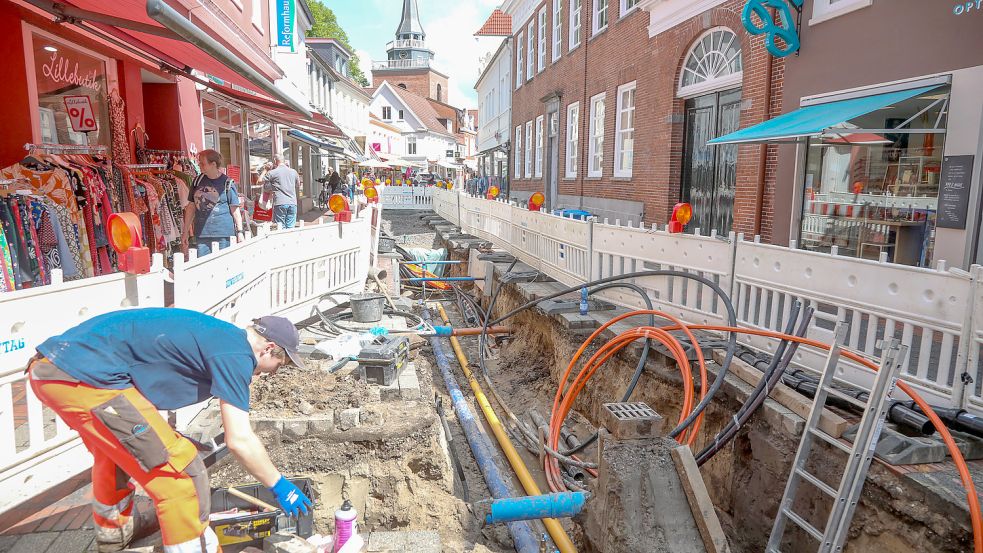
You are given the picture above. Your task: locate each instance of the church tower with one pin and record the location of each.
(409, 62)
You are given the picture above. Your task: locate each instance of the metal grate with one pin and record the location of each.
(631, 411)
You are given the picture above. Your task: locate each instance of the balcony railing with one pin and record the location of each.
(408, 43)
(400, 64)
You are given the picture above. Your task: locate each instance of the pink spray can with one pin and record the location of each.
(345, 525)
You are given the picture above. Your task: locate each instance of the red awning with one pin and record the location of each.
(280, 113)
(161, 43)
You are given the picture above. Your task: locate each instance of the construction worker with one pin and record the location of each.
(108, 377)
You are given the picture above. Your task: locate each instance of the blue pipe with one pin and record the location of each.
(444, 262)
(554, 505)
(498, 484)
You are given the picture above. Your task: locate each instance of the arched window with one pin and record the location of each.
(439, 92)
(713, 63)
(402, 85)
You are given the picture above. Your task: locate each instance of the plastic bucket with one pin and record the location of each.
(367, 308)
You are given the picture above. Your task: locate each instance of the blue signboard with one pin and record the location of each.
(285, 23)
(783, 27)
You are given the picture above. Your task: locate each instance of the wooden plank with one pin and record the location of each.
(695, 488)
(829, 422)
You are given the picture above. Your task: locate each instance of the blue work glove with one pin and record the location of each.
(290, 498)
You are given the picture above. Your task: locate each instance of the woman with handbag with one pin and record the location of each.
(213, 213)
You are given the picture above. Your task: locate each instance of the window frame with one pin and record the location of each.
(401, 114)
(517, 149)
(557, 22)
(725, 82)
(531, 50)
(411, 142)
(384, 110)
(578, 15)
(519, 62)
(824, 10)
(595, 17)
(528, 159)
(541, 43)
(620, 171)
(595, 144)
(572, 144)
(540, 139)
(625, 9)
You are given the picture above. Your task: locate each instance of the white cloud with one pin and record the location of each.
(451, 36)
(365, 63)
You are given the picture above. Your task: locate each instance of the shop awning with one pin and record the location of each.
(314, 141)
(173, 39)
(817, 119)
(448, 165)
(316, 124)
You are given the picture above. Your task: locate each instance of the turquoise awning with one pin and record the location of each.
(814, 120)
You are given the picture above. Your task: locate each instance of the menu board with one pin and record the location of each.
(957, 178)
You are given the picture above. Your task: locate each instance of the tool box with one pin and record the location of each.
(239, 531)
(380, 363)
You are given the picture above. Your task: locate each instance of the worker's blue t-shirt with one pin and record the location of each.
(175, 357)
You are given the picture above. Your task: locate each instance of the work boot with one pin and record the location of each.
(110, 540)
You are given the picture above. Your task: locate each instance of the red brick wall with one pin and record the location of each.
(623, 53)
(421, 83)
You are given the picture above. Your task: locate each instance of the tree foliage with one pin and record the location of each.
(326, 26)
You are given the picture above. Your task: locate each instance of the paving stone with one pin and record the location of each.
(576, 321)
(409, 384)
(287, 543)
(72, 541)
(267, 425)
(34, 543)
(7, 542)
(349, 418)
(323, 424)
(375, 394)
(295, 428)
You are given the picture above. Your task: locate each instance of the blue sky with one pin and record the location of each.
(449, 24)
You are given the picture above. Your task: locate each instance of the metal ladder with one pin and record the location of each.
(846, 496)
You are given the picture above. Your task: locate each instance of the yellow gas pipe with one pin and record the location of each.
(553, 526)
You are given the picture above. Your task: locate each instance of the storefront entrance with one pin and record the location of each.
(710, 172)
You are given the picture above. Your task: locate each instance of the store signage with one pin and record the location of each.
(80, 113)
(9, 346)
(957, 176)
(782, 26)
(285, 23)
(966, 7)
(61, 70)
(449, 153)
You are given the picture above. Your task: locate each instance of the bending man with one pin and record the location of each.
(108, 377)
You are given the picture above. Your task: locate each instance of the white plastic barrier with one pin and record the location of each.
(446, 203)
(37, 450)
(408, 197)
(937, 313)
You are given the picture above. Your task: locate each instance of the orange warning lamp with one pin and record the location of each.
(536, 201)
(399, 182)
(493, 192)
(338, 204)
(681, 215)
(388, 181)
(366, 182)
(372, 195)
(124, 237)
(377, 181)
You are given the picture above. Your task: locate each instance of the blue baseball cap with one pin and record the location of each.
(283, 333)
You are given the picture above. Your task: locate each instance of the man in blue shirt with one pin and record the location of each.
(108, 377)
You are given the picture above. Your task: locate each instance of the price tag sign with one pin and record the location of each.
(80, 113)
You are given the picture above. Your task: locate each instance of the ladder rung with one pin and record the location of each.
(815, 481)
(846, 397)
(801, 523)
(830, 440)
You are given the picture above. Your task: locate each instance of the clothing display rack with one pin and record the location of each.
(73, 148)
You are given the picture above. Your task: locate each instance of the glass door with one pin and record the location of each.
(710, 172)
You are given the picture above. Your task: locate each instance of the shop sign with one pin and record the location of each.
(966, 7)
(60, 70)
(285, 23)
(957, 175)
(782, 26)
(80, 113)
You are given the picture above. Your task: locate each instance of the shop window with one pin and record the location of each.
(713, 63)
(72, 94)
(872, 184)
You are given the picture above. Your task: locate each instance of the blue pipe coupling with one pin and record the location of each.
(444, 331)
(554, 505)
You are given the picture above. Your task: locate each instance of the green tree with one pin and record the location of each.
(326, 26)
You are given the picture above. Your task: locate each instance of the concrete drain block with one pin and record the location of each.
(631, 420)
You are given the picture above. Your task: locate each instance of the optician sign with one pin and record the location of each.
(780, 27)
(967, 7)
(285, 23)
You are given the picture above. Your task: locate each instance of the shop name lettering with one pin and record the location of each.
(59, 70)
(8, 346)
(966, 7)
(234, 280)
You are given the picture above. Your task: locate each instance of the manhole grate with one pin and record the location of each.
(631, 411)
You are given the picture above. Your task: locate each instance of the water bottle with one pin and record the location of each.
(583, 301)
(345, 525)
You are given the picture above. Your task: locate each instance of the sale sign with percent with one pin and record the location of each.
(80, 113)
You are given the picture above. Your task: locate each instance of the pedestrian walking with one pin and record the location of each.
(334, 181)
(212, 214)
(108, 377)
(283, 182)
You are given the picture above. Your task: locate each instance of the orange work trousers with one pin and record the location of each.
(128, 437)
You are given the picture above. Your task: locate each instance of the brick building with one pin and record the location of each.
(614, 100)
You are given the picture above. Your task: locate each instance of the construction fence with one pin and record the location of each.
(937, 312)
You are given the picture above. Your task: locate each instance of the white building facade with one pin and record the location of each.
(494, 88)
(425, 140)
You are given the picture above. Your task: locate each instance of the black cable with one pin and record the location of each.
(724, 298)
(768, 381)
